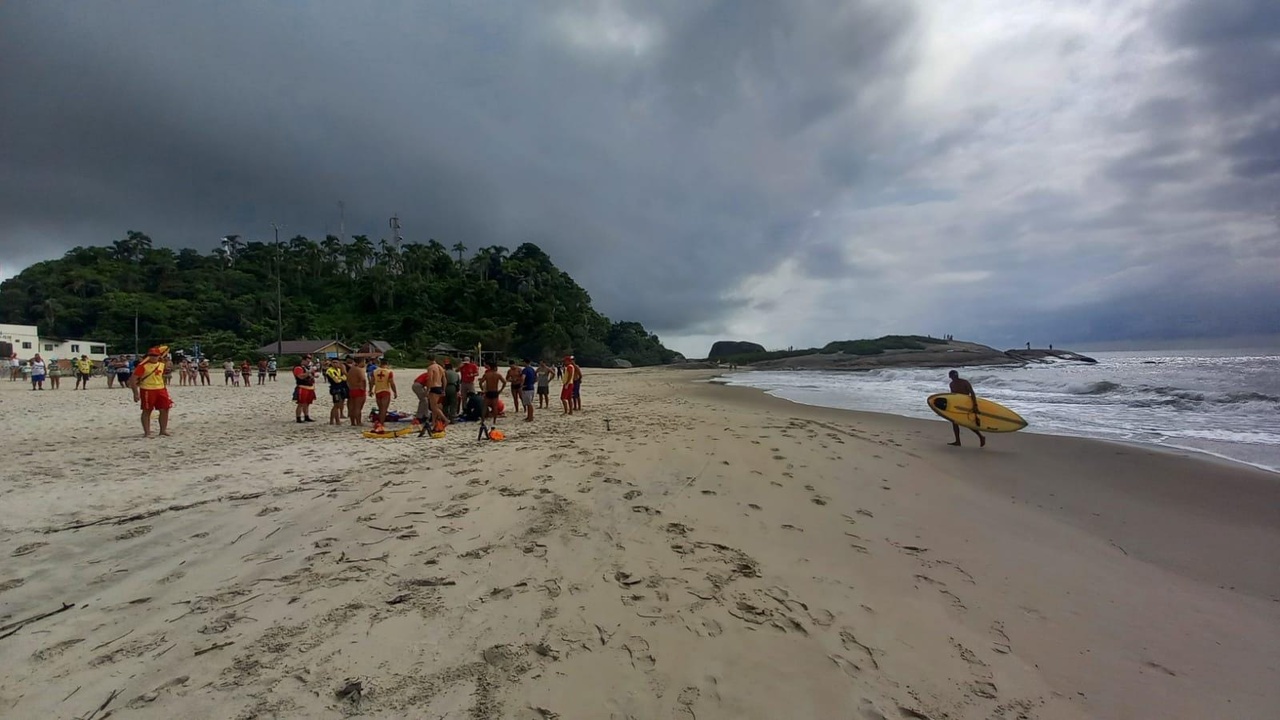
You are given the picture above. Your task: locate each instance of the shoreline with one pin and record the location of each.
(1168, 448)
(677, 550)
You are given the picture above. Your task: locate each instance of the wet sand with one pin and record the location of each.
(713, 553)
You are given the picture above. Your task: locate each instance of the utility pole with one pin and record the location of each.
(395, 230)
(279, 314)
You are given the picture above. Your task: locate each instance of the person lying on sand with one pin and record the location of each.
(963, 387)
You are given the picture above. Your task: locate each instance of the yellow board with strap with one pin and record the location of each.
(990, 416)
(388, 434)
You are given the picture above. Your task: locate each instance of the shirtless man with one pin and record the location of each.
(384, 390)
(963, 387)
(435, 392)
(515, 381)
(493, 383)
(357, 390)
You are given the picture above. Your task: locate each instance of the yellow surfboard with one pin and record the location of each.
(991, 416)
(389, 434)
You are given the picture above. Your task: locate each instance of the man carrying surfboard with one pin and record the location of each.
(960, 386)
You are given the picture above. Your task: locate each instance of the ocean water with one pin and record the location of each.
(1224, 403)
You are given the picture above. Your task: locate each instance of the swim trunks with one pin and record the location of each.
(356, 394)
(306, 395)
(566, 392)
(436, 391)
(381, 394)
(339, 390)
(155, 399)
(492, 394)
(526, 396)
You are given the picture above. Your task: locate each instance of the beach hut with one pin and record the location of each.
(374, 349)
(445, 349)
(318, 348)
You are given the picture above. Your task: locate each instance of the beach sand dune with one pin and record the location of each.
(679, 550)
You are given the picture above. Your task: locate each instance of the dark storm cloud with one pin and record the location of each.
(646, 146)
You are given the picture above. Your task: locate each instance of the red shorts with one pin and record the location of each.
(357, 394)
(155, 399)
(384, 393)
(566, 392)
(306, 395)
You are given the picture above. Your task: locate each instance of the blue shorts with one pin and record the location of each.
(577, 389)
(37, 378)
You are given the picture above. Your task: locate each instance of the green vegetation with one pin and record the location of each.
(412, 296)
(847, 347)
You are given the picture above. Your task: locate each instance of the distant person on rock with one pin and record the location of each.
(960, 386)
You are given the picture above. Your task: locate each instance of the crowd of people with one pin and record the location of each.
(445, 394)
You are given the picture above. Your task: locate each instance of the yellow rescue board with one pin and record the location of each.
(389, 434)
(991, 416)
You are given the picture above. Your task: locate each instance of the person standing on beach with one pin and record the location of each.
(339, 391)
(204, 372)
(84, 369)
(961, 386)
(37, 372)
(515, 381)
(304, 393)
(271, 369)
(357, 391)
(566, 390)
(577, 384)
(452, 381)
(529, 376)
(384, 390)
(435, 393)
(149, 391)
(55, 374)
(262, 371)
(229, 373)
(493, 384)
(246, 372)
(545, 374)
(468, 372)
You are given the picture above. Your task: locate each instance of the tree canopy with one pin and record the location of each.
(412, 295)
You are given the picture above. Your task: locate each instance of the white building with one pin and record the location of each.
(25, 341)
(72, 349)
(20, 340)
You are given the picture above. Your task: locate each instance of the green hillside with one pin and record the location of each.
(413, 296)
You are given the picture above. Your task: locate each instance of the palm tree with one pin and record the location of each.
(460, 249)
(361, 248)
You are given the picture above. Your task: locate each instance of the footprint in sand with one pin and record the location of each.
(27, 549)
(134, 532)
(818, 500)
(645, 509)
(638, 649)
(708, 492)
(754, 506)
(11, 584)
(631, 495)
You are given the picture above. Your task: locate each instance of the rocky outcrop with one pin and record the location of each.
(1049, 356)
(726, 348)
(943, 354)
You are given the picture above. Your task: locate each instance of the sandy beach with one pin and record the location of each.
(678, 550)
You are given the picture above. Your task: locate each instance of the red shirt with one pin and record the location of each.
(468, 371)
(424, 380)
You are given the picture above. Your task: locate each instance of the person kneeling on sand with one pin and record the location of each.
(149, 391)
(961, 386)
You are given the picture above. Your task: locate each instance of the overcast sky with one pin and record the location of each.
(785, 172)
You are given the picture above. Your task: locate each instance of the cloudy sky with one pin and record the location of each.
(786, 172)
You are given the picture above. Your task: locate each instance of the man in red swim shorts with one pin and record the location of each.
(304, 393)
(147, 383)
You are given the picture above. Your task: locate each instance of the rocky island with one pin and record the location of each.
(890, 351)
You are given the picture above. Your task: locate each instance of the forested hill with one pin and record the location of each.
(413, 296)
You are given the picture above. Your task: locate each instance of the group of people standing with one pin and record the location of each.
(38, 372)
(231, 374)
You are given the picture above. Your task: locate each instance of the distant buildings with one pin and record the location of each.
(24, 341)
